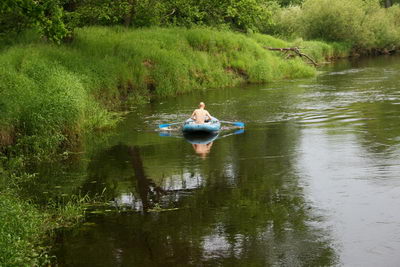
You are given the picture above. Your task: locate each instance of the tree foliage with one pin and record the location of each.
(240, 15)
(44, 15)
(360, 22)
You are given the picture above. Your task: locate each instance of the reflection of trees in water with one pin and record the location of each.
(252, 215)
(120, 170)
(146, 188)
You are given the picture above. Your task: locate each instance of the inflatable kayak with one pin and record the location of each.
(190, 126)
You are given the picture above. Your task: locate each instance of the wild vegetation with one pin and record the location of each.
(67, 67)
(364, 25)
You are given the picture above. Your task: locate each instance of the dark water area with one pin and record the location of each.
(312, 181)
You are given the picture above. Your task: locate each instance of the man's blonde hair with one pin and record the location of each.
(202, 104)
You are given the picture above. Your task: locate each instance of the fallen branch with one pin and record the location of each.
(295, 50)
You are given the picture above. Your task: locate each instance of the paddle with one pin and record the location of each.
(168, 124)
(237, 123)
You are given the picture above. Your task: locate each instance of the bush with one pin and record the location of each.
(338, 20)
(364, 25)
(287, 22)
(381, 28)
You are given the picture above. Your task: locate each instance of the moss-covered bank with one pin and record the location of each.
(50, 95)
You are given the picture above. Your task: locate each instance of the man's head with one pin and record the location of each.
(202, 105)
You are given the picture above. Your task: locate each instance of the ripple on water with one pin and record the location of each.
(344, 72)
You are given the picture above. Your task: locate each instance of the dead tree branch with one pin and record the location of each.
(295, 50)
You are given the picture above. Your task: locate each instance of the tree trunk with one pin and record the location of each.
(388, 3)
(129, 16)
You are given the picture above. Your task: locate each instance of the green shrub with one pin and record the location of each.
(382, 30)
(338, 20)
(287, 22)
(363, 25)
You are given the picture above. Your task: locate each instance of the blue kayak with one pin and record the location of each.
(190, 126)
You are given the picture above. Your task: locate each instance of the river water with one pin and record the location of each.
(314, 179)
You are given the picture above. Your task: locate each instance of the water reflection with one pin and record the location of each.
(202, 149)
(201, 142)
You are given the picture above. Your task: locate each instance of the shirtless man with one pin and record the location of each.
(201, 115)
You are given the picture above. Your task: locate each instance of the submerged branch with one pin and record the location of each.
(295, 50)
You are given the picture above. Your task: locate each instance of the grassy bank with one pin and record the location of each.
(51, 95)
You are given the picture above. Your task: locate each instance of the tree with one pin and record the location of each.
(44, 15)
(240, 15)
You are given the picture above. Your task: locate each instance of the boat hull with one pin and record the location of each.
(212, 126)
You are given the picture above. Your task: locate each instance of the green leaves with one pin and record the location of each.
(44, 15)
(243, 15)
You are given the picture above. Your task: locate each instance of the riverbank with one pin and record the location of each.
(52, 93)
(50, 96)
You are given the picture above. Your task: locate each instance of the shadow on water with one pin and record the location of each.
(303, 184)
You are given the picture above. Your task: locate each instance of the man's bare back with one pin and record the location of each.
(200, 115)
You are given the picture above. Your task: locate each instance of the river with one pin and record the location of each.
(312, 181)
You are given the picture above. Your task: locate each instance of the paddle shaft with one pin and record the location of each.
(168, 124)
(238, 123)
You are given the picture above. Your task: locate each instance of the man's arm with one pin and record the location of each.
(208, 115)
(193, 115)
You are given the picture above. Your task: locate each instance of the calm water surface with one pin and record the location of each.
(314, 180)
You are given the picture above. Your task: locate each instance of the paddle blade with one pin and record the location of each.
(239, 124)
(164, 125)
(240, 131)
(168, 124)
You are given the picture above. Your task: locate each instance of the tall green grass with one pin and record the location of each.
(20, 227)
